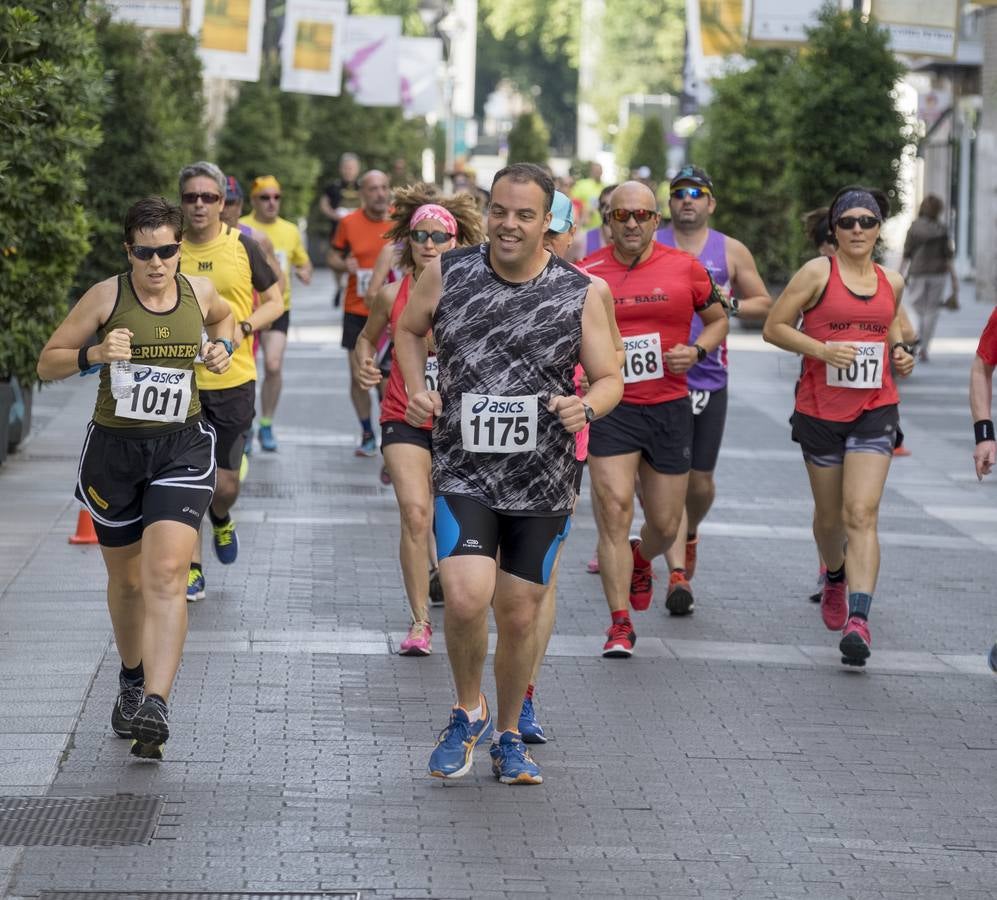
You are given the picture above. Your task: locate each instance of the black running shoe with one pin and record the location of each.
(150, 729)
(435, 588)
(129, 699)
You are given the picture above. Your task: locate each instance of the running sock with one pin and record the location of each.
(639, 558)
(621, 615)
(497, 735)
(689, 538)
(858, 605)
(133, 676)
(680, 570)
(195, 567)
(474, 714)
(265, 422)
(529, 690)
(366, 427)
(837, 576)
(216, 520)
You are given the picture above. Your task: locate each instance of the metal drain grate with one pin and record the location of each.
(78, 821)
(201, 895)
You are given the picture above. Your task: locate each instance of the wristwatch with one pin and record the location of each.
(907, 348)
(700, 352)
(247, 328)
(227, 344)
(589, 413)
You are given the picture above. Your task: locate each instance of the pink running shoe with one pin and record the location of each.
(593, 565)
(418, 640)
(856, 644)
(834, 605)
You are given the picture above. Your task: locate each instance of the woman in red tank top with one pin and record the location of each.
(424, 225)
(846, 401)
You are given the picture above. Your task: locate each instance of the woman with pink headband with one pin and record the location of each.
(425, 226)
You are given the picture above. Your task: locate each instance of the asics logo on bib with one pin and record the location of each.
(640, 344)
(513, 406)
(158, 377)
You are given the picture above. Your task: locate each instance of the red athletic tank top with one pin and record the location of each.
(841, 315)
(395, 396)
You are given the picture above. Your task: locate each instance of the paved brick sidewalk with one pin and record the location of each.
(731, 757)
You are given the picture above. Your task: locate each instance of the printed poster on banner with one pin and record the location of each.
(156, 15)
(782, 22)
(920, 27)
(716, 30)
(230, 37)
(311, 47)
(420, 63)
(370, 60)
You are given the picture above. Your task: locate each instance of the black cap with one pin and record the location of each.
(694, 174)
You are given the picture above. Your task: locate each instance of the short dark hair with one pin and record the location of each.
(524, 173)
(152, 213)
(931, 207)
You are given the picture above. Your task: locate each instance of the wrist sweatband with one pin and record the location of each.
(984, 430)
(81, 359)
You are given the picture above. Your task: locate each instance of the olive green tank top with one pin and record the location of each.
(164, 344)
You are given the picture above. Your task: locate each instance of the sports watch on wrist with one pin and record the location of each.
(247, 328)
(589, 413)
(700, 352)
(227, 344)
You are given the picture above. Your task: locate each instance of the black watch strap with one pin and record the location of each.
(247, 328)
(589, 413)
(700, 352)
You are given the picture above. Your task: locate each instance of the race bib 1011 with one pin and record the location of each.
(494, 424)
(158, 395)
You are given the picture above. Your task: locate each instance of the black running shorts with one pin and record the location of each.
(352, 326)
(707, 427)
(395, 432)
(529, 544)
(282, 322)
(660, 432)
(128, 483)
(230, 412)
(825, 443)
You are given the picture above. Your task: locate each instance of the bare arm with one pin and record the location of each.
(753, 300)
(410, 344)
(981, 375)
(218, 322)
(683, 357)
(60, 355)
(266, 245)
(382, 266)
(367, 372)
(341, 261)
(606, 295)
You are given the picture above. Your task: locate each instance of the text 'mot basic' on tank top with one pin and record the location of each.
(508, 340)
(168, 340)
(711, 373)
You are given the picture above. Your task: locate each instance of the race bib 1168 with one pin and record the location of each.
(642, 358)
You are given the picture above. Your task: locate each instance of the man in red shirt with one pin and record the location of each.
(656, 290)
(355, 247)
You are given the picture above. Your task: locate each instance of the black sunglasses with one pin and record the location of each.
(641, 215)
(439, 237)
(864, 222)
(692, 193)
(268, 197)
(166, 251)
(206, 197)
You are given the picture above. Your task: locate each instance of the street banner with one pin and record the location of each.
(370, 59)
(230, 37)
(716, 36)
(311, 47)
(782, 23)
(920, 27)
(420, 63)
(155, 15)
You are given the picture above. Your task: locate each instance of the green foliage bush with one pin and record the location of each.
(152, 127)
(529, 140)
(650, 149)
(51, 93)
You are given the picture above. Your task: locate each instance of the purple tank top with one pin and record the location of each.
(593, 241)
(711, 373)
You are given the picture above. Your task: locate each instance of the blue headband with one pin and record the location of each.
(857, 199)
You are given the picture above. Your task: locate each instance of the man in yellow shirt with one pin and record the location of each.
(236, 266)
(264, 194)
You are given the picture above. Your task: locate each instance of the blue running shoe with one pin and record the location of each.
(512, 763)
(992, 659)
(454, 751)
(531, 730)
(195, 586)
(226, 543)
(247, 446)
(267, 441)
(368, 446)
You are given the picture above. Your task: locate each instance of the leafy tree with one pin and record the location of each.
(742, 144)
(529, 140)
(267, 132)
(843, 121)
(650, 149)
(50, 100)
(626, 144)
(151, 127)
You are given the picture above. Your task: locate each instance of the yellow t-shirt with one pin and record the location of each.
(286, 240)
(236, 265)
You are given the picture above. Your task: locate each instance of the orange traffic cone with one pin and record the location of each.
(84, 530)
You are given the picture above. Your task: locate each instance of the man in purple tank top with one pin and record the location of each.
(732, 267)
